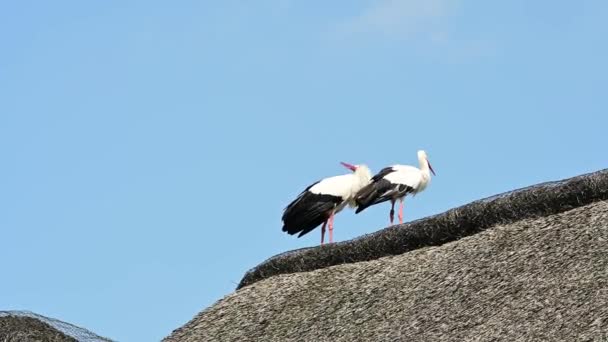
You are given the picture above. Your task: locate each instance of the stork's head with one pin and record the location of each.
(361, 172)
(424, 159)
(361, 168)
(351, 167)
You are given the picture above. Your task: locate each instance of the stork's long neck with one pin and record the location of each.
(363, 174)
(424, 167)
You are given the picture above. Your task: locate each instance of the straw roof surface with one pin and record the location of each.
(25, 326)
(20, 329)
(527, 265)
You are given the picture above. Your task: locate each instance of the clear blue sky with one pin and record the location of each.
(148, 148)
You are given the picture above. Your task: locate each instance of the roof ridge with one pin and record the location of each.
(529, 202)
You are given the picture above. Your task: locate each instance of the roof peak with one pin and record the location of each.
(534, 201)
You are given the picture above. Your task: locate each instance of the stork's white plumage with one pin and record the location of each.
(394, 183)
(318, 203)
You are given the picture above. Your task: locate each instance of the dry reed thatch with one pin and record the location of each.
(540, 273)
(20, 326)
(535, 201)
(21, 329)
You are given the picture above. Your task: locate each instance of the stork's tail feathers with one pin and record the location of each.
(304, 223)
(366, 197)
(360, 208)
(307, 212)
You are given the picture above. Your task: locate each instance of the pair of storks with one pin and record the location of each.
(318, 203)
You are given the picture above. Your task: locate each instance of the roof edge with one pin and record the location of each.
(65, 328)
(535, 201)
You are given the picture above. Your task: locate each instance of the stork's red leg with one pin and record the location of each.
(392, 213)
(401, 211)
(323, 232)
(331, 228)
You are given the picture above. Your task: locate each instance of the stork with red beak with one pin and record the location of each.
(319, 202)
(394, 183)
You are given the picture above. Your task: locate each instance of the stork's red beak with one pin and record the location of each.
(431, 168)
(349, 166)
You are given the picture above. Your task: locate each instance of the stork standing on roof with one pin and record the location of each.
(394, 183)
(319, 202)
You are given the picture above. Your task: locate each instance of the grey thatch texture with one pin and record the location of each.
(543, 278)
(20, 326)
(536, 201)
(20, 329)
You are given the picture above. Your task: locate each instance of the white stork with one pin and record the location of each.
(394, 183)
(319, 202)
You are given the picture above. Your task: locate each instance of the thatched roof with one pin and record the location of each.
(535, 201)
(21, 326)
(19, 329)
(528, 265)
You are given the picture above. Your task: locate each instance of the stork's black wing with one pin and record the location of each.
(380, 190)
(308, 211)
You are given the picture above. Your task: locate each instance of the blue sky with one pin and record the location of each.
(149, 148)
